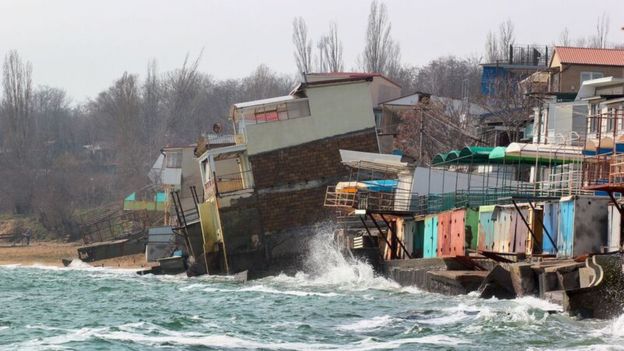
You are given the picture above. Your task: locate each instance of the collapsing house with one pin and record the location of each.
(263, 196)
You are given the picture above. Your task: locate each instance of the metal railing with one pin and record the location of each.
(219, 185)
(422, 204)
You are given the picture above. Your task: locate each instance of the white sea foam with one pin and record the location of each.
(77, 263)
(412, 290)
(327, 267)
(536, 303)
(264, 289)
(55, 342)
(444, 320)
(75, 267)
(367, 324)
(226, 342)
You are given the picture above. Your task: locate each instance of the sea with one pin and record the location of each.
(336, 303)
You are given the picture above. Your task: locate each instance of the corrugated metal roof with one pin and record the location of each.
(268, 101)
(589, 56)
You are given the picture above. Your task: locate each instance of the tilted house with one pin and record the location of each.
(264, 195)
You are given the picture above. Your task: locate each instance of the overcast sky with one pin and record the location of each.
(82, 46)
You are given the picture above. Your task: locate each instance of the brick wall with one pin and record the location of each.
(570, 78)
(309, 169)
(317, 160)
(290, 187)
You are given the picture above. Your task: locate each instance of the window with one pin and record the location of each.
(610, 119)
(590, 75)
(278, 112)
(593, 118)
(174, 159)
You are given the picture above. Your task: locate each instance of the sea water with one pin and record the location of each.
(337, 304)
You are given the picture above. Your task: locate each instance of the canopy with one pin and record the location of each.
(514, 153)
(537, 153)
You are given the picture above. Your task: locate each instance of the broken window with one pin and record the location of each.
(277, 112)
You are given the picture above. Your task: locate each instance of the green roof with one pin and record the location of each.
(475, 151)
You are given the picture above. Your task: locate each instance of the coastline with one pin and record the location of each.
(51, 253)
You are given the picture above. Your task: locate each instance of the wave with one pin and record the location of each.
(72, 267)
(223, 341)
(264, 289)
(152, 335)
(367, 324)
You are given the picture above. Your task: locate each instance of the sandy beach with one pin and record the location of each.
(51, 253)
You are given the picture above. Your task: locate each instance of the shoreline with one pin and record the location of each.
(51, 253)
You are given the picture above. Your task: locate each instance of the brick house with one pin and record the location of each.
(264, 195)
(571, 66)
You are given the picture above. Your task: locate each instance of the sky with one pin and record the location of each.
(83, 46)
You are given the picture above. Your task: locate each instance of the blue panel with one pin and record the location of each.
(565, 240)
(431, 237)
(486, 231)
(160, 197)
(489, 76)
(551, 226)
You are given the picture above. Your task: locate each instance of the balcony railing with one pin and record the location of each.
(228, 183)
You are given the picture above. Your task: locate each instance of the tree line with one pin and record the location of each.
(59, 158)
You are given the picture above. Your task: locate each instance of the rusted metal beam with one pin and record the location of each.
(495, 256)
(397, 238)
(617, 205)
(381, 233)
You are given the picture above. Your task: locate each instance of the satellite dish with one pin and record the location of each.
(217, 128)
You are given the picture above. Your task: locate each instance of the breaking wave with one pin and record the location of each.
(326, 266)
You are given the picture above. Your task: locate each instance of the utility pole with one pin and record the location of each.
(422, 132)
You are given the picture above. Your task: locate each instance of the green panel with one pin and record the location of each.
(476, 151)
(419, 238)
(453, 155)
(439, 158)
(498, 153)
(472, 228)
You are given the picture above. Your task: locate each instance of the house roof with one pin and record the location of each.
(268, 101)
(317, 77)
(405, 100)
(588, 87)
(590, 56)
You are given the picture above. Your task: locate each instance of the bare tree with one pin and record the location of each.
(181, 89)
(434, 125)
(508, 106)
(321, 56)
(497, 45)
(506, 37)
(152, 121)
(303, 45)
(121, 105)
(381, 54)
(599, 39)
(564, 38)
(334, 49)
(17, 104)
(491, 47)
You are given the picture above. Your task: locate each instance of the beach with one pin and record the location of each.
(51, 253)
